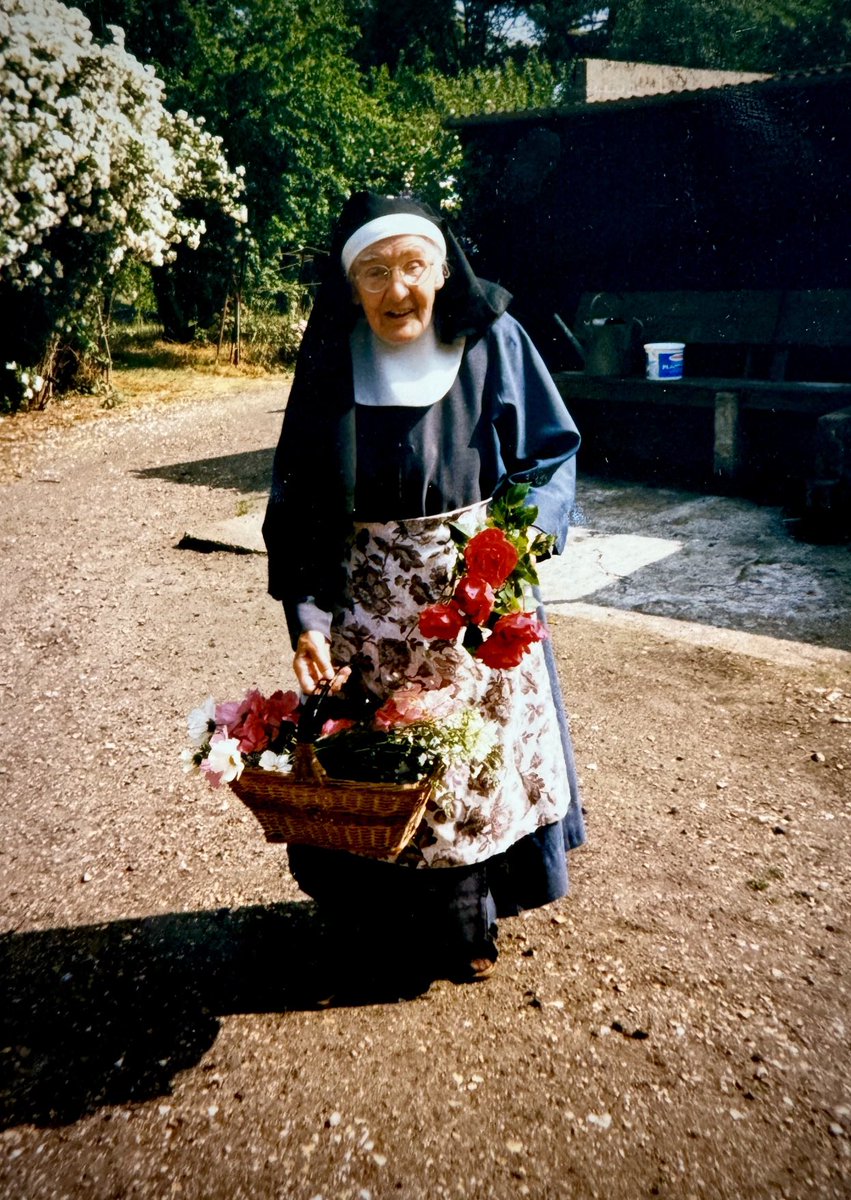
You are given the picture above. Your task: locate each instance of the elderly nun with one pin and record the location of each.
(418, 398)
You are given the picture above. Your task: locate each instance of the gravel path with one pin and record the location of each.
(676, 1028)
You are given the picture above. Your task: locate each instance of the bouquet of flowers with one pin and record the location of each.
(225, 737)
(489, 593)
(412, 736)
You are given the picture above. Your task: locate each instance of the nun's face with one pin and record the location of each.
(401, 310)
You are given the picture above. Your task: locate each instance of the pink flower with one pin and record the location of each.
(252, 733)
(439, 702)
(415, 703)
(442, 621)
(257, 720)
(227, 712)
(474, 596)
(402, 709)
(283, 706)
(336, 725)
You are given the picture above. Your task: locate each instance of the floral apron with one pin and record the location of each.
(393, 571)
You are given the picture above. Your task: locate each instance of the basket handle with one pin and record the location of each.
(306, 766)
(310, 722)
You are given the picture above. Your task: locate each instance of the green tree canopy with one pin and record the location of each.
(315, 99)
(751, 35)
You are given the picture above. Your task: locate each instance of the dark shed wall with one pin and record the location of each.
(741, 187)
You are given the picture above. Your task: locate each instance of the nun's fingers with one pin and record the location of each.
(312, 661)
(340, 678)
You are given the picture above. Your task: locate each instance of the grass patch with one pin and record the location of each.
(145, 365)
(762, 884)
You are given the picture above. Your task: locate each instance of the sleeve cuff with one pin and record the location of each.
(303, 615)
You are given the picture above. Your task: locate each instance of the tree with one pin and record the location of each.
(277, 81)
(93, 168)
(751, 35)
(301, 99)
(393, 33)
(448, 36)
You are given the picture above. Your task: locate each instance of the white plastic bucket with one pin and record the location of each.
(665, 359)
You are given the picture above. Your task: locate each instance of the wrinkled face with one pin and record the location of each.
(402, 310)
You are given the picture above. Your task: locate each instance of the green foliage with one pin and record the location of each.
(315, 99)
(510, 512)
(749, 35)
(311, 109)
(407, 753)
(419, 153)
(447, 36)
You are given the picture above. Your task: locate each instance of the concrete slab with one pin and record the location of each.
(240, 535)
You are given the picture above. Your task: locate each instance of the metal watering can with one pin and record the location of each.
(606, 343)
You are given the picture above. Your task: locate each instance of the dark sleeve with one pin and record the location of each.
(292, 532)
(310, 501)
(537, 437)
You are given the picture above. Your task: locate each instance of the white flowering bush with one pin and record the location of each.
(93, 168)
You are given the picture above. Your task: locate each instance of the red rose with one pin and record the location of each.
(521, 626)
(511, 638)
(491, 556)
(443, 621)
(499, 652)
(474, 596)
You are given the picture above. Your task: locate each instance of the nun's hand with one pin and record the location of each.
(312, 663)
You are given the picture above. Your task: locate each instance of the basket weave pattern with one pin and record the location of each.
(308, 807)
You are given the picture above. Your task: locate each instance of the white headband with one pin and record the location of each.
(393, 225)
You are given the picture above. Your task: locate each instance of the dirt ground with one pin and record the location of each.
(677, 1027)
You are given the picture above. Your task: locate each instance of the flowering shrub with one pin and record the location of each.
(491, 585)
(93, 167)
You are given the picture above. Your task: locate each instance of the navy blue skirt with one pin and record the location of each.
(455, 907)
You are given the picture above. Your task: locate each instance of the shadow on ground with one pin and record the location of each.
(105, 1014)
(246, 472)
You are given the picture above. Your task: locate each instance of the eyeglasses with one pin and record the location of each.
(376, 278)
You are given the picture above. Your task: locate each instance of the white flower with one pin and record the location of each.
(270, 761)
(224, 759)
(187, 758)
(201, 722)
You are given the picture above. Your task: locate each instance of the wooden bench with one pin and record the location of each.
(747, 353)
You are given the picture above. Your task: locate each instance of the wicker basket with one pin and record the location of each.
(310, 808)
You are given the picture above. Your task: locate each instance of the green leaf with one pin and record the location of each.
(527, 572)
(516, 494)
